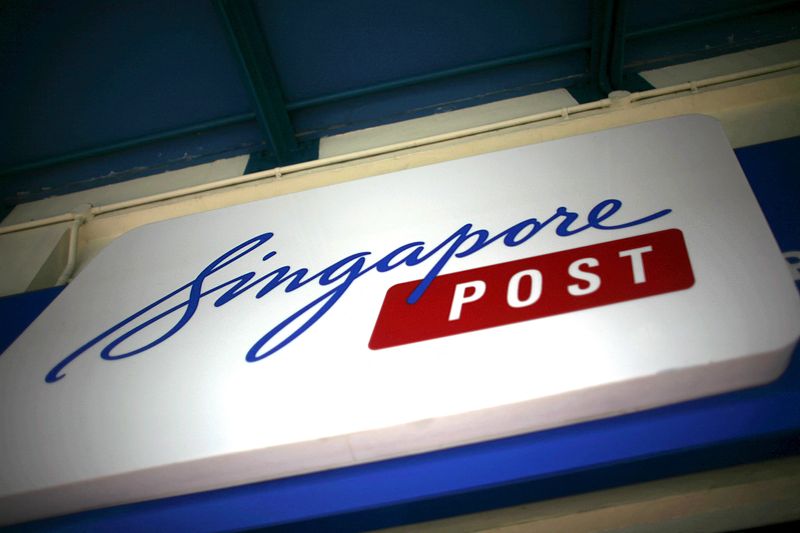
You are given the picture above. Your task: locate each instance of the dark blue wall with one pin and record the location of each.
(80, 78)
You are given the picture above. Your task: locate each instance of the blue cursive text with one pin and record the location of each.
(179, 306)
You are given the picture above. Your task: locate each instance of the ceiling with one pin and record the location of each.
(94, 93)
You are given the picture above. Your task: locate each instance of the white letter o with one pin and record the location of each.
(512, 295)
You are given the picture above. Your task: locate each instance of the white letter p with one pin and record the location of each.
(460, 296)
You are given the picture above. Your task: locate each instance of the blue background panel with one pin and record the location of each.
(773, 170)
(744, 426)
(20, 310)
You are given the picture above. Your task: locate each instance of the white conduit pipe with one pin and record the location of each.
(564, 113)
(716, 80)
(328, 161)
(49, 221)
(72, 254)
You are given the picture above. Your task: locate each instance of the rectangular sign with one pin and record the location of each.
(535, 287)
(453, 303)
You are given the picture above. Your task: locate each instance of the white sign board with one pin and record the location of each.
(437, 306)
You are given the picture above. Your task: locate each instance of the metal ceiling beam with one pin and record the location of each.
(616, 76)
(617, 44)
(246, 38)
(633, 81)
(757, 8)
(441, 75)
(136, 142)
(597, 85)
(604, 21)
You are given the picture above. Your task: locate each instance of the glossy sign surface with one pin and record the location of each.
(233, 346)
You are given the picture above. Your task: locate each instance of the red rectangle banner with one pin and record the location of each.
(535, 287)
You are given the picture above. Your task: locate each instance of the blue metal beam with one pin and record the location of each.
(757, 8)
(620, 36)
(130, 143)
(240, 21)
(598, 85)
(441, 75)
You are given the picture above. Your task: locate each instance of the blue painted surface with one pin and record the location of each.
(18, 311)
(132, 163)
(353, 43)
(85, 72)
(744, 426)
(82, 74)
(707, 39)
(773, 170)
(327, 48)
